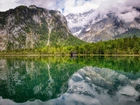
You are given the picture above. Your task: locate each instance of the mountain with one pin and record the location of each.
(97, 27)
(34, 27)
(75, 21)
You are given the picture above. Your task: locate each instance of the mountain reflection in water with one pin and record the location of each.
(65, 81)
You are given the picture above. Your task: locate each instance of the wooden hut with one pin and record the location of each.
(73, 54)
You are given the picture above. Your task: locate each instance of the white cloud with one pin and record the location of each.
(50, 4)
(101, 7)
(71, 8)
(130, 16)
(132, 3)
(122, 8)
(78, 6)
(8, 4)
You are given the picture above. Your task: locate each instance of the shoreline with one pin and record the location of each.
(68, 55)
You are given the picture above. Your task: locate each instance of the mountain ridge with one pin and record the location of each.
(102, 28)
(34, 27)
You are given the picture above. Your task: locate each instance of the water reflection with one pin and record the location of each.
(108, 87)
(41, 80)
(30, 79)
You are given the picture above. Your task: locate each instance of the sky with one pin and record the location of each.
(65, 6)
(78, 6)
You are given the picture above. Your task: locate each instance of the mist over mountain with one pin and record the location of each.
(107, 22)
(77, 21)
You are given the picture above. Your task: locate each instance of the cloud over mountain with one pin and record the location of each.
(101, 7)
(123, 9)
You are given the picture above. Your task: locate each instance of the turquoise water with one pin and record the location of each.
(69, 81)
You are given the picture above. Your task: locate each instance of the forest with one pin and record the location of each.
(129, 46)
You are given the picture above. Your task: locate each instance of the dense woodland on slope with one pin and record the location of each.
(119, 46)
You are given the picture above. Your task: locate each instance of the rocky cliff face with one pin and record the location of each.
(33, 27)
(98, 28)
(76, 22)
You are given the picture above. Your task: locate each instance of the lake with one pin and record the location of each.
(69, 81)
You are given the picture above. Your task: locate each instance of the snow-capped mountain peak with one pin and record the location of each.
(94, 25)
(77, 21)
